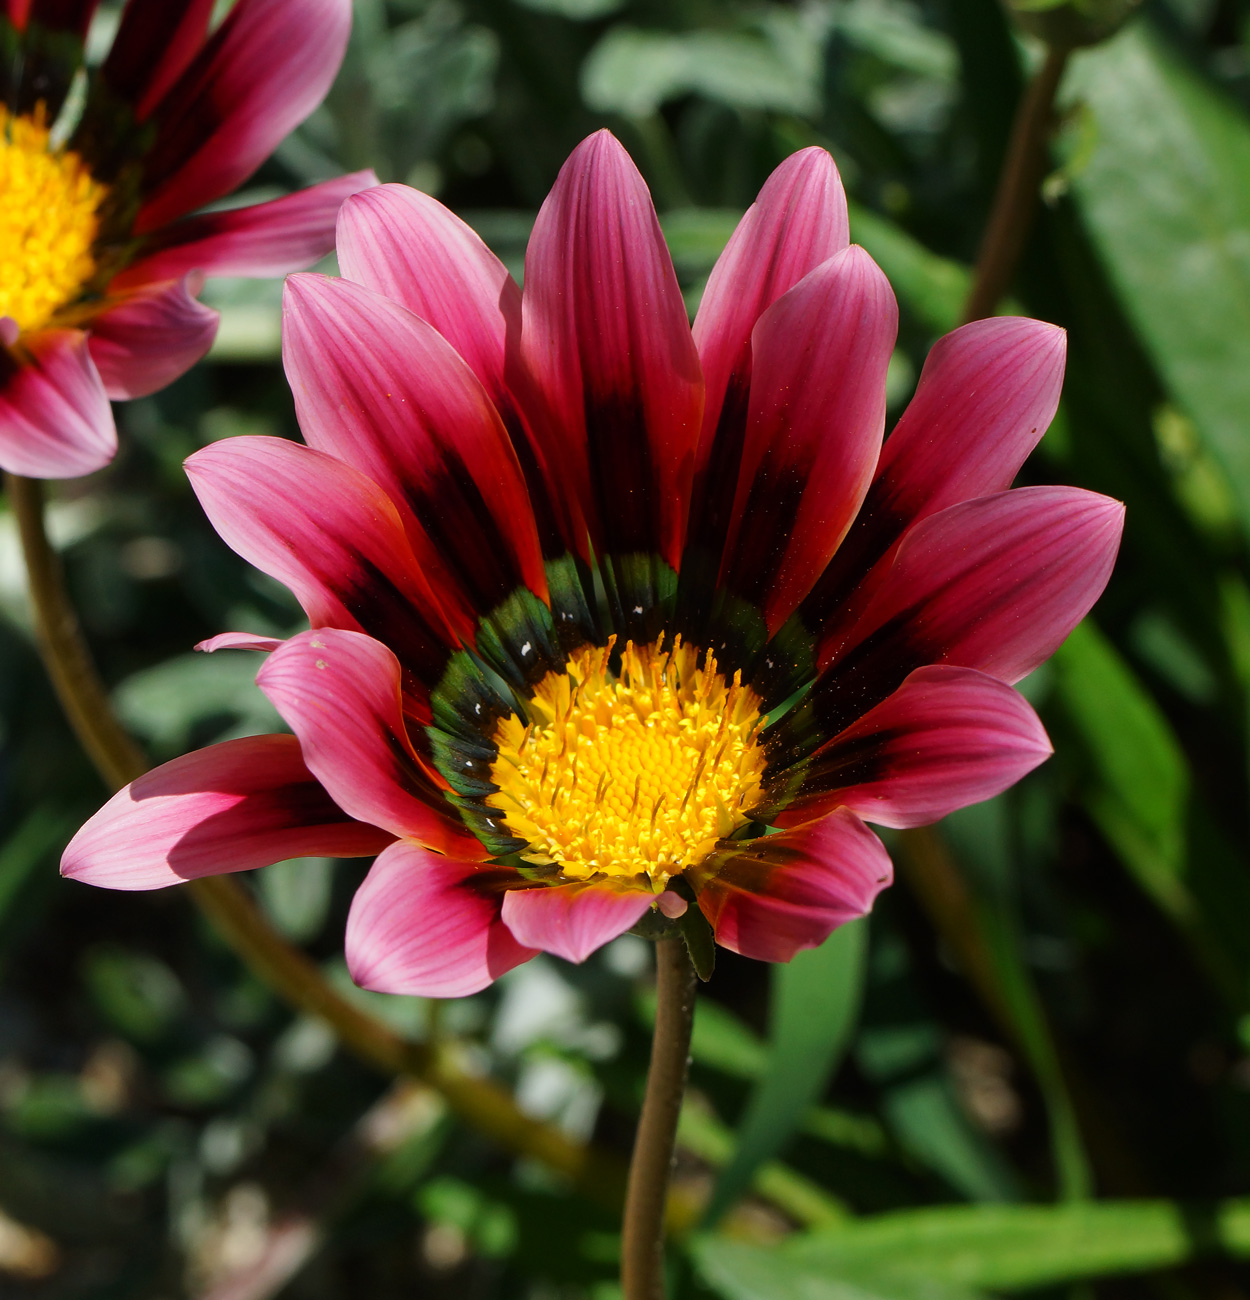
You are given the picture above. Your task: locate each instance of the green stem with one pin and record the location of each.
(642, 1233)
(1015, 200)
(285, 969)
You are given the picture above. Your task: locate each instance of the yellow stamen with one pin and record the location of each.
(48, 222)
(634, 773)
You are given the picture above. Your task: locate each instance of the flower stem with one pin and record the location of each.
(642, 1234)
(1015, 201)
(285, 969)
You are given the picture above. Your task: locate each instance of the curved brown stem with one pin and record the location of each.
(1015, 201)
(282, 967)
(642, 1233)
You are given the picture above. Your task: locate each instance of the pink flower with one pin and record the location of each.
(99, 263)
(567, 563)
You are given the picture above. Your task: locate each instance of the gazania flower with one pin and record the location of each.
(611, 619)
(99, 263)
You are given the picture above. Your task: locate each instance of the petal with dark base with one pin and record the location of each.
(948, 737)
(429, 926)
(772, 897)
(574, 920)
(817, 413)
(55, 419)
(607, 340)
(340, 693)
(231, 807)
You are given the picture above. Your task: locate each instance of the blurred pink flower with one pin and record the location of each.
(596, 600)
(99, 264)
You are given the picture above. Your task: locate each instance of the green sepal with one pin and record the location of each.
(641, 593)
(517, 639)
(695, 931)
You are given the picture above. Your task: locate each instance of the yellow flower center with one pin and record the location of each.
(48, 222)
(636, 773)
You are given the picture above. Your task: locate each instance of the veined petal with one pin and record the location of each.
(263, 240)
(55, 420)
(239, 641)
(145, 339)
(381, 389)
(328, 533)
(573, 920)
(340, 693)
(948, 737)
(817, 413)
(606, 338)
(260, 74)
(154, 43)
(798, 221)
(429, 926)
(231, 807)
(994, 584)
(406, 245)
(988, 392)
(772, 897)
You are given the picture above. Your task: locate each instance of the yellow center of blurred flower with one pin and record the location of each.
(631, 774)
(48, 222)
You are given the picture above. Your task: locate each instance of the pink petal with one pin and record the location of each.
(147, 338)
(263, 240)
(995, 584)
(776, 895)
(231, 807)
(606, 338)
(574, 920)
(429, 926)
(987, 393)
(948, 737)
(814, 430)
(261, 73)
(798, 221)
(340, 693)
(154, 43)
(382, 390)
(407, 246)
(55, 420)
(240, 641)
(328, 533)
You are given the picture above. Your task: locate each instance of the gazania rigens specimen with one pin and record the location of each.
(614, 623)
(99, 166)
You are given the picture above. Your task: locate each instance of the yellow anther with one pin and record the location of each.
(48, 222)
(637, 773)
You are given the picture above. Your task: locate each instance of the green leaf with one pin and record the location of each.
(1166, 196)
(969, 1248)
(815, 1006)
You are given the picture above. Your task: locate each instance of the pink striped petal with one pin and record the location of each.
(948, 737)
(574, 920)
(340, 693)
(407, 246)
(774, 896)
(239, 641)
(231, 807)
(606, 338)
(263, 240)
(382, 390)
(261, 73)
(145, 339)
(429, 926)
(55, 420)
(798, 221)
(814, 430)
(154, 43)
(987, 393)
(328, 533)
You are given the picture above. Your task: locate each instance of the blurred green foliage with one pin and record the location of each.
(885, 1123)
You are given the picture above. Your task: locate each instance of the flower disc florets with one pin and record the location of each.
(48, 221)
(633, 772)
